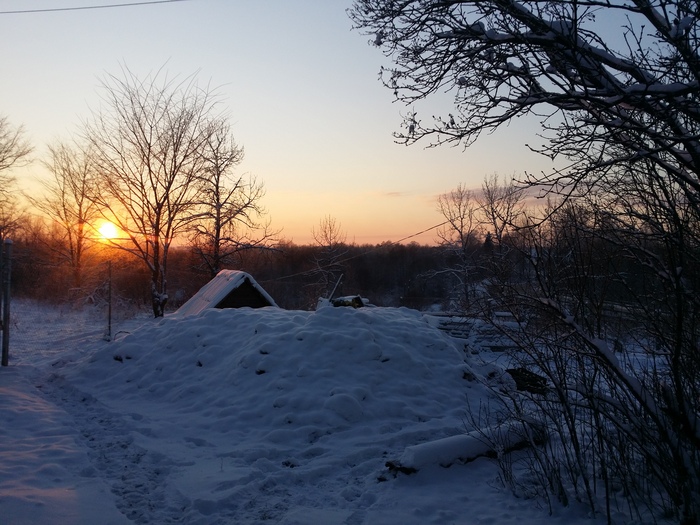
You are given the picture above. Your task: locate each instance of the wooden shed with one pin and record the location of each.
(229, 289)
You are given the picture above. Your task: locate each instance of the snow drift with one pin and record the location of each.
(249, 416)
(264, 395)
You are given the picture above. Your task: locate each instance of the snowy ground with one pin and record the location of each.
(244, 416)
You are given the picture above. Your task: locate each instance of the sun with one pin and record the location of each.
(108, 230)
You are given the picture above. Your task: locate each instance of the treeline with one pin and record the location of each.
(572, 256)
(387, 274)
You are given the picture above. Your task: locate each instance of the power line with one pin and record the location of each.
(83, 8)
(420, 233)
(356, 256)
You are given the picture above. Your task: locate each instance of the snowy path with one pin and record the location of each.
(64, 459)
(138, 477)
(46, 476)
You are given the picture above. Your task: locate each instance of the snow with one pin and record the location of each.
(247, 416)
(464, 448)
(46, 476)
(683, 25)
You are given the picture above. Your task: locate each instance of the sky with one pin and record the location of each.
(301, 88)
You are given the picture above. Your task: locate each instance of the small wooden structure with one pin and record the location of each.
(229, 289)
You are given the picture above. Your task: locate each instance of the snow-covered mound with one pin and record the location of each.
(250, 416)
(282, 369)
(281, 395)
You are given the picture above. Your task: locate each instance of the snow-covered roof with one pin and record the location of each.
(216, 290)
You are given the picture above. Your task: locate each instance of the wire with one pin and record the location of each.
(420, 233)
(82, 8)
(342, 261)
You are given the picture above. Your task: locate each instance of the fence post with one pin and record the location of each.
(6, 273)
(2, 272)
(108, 336)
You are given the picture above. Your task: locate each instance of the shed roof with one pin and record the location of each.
(216, 291)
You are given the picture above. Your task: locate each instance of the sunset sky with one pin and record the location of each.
(301, 89)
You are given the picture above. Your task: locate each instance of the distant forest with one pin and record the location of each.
(296, 276)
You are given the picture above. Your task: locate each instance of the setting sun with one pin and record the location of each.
(108, 230)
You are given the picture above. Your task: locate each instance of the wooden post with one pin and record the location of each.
(2, 272)
(6, 274)
(108, 337)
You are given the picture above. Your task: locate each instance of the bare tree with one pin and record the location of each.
(501, 205)
(66, 201)
(11, 217)
(14, 152)
(501, 212)
(328, 265)
(618, 102)
(461, 236)
(228, 212)
(14, 148)
(148, 142)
